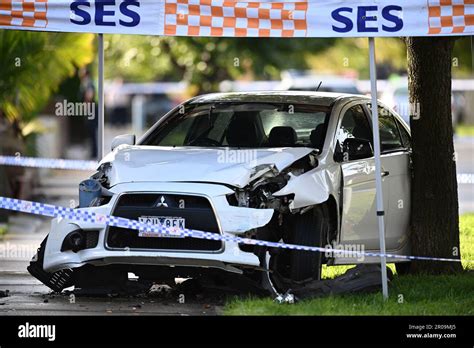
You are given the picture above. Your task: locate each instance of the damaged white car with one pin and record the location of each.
(293, 167)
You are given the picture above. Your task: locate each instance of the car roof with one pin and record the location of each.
(297, 97)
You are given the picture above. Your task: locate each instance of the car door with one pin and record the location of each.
(395, 160)
(359, 218)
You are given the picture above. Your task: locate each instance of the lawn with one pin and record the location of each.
(465, 130)
(409, 295)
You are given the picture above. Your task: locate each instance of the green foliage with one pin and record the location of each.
(349, 55)
(3, 230)
(33, 65)
(421, 294)
(204, 62)
(463, 57)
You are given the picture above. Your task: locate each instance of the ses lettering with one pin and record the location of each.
(364, 16)
(103, 12)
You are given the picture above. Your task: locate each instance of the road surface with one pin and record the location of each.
(27, 296)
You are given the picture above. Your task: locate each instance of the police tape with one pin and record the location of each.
(58, 163)
(51, 163)
(83, 215)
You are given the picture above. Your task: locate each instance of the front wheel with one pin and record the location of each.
(309, 229)
(291, 269)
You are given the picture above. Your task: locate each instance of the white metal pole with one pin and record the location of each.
(138, 114)
(378, 169)
(100, 121)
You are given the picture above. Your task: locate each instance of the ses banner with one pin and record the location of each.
(245, 18)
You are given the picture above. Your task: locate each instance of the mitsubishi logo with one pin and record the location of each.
(162, 203)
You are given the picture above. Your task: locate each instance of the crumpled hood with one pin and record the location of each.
(187, 164)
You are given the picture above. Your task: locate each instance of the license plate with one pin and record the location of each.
(175, 225)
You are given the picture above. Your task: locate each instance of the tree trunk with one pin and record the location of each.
(434, 208)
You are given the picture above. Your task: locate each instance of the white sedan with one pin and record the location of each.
(293, 167)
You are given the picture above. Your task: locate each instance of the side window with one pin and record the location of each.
(406, 139)
(354, 125)
(390, 138)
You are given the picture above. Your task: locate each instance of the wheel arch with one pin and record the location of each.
(333, 212)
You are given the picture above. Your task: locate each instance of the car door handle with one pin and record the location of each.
(385, 173)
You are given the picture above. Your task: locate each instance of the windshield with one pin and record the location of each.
(249, 125)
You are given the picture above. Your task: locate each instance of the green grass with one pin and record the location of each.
(409, 295)
(466, 236)
(465, 130)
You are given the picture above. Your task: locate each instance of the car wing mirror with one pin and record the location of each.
(127, 139)
(357, 148)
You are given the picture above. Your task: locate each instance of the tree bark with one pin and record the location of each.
(434, 208)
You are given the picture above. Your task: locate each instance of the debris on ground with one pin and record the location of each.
(287, 297)
(159, 290)
(360, 279)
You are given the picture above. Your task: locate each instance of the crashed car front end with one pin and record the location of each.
(107, 245)
(224, 209)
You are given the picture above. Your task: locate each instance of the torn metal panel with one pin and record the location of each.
(234, 167)
(241, 219)
(310, 188)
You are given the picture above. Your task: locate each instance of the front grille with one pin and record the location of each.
(196, 211)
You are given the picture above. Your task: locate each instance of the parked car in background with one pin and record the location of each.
(309, 81)
(396, 96)
(139, 104)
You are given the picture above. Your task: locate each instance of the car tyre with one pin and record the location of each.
(291, 269)
(309, 229)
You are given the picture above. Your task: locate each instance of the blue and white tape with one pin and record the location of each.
(58, 163)
(107, 220)
(51, 163)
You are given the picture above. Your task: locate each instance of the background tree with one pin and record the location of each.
(434, 213)
(205, 62)
(33, 65)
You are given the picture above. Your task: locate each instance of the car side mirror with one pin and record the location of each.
(357, 148)
(127, 139)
